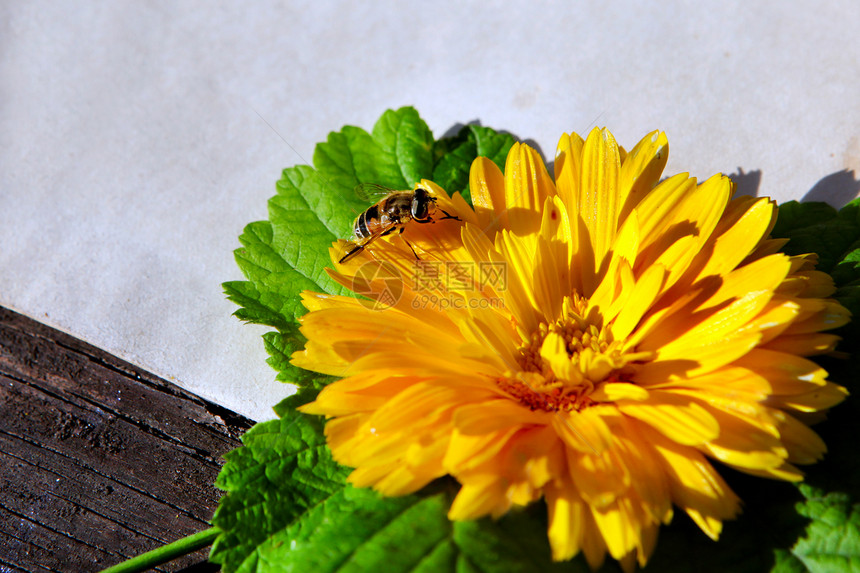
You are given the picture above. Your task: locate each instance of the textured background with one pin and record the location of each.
(135, 140)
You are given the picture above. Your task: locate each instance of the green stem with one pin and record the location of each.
(166, 553)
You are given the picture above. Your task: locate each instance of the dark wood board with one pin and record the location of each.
(99, 460)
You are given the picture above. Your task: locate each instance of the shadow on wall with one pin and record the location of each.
(746, 183)
(836, 189)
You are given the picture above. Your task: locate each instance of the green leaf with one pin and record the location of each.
(253, 308)
(283, 468)
(517, 542)
(492, 144)
(455, 156)
(406, 150)
(452, 170)
(786, 562)
(818, 228)
(356, 530)
(280, 346)
(397, 155)
(794, 215)
(303, 396)
(832, 543)
(849, 297)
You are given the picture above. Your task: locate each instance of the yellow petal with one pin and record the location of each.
(647, 476)
(527, 185)
(709, 524)
(552, 260)
(487, 186)
(584, 431)
(598, 190)
(656, 209)
(742, 460)
(554, 351)
(677, 417)
(428, 451)
(641, 170)
(361, 393)
(478, 499)
(804, 344)
(820, 398)
(519, 295)
(566, 520)
(495, 415)
(747, 223)
(786, 373)
(568, 170)
(550, 279)
(642, 297)
(616, 529)
(804, 445)
(600, 479)
(689, 209)
(613, 391)
(679, 228)
(695, 485)
(467, 452)
(613, 289)
(749, 290)
(421, 403)
(490, 339)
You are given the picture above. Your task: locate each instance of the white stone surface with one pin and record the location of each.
(132, 152)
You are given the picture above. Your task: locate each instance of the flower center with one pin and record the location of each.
(563, 362)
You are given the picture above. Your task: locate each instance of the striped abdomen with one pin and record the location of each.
(383, 217)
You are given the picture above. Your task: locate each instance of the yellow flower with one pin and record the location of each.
(594, 341)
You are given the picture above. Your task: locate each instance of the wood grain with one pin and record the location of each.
(99, 460)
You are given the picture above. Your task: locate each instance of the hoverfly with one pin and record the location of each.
(390, 214)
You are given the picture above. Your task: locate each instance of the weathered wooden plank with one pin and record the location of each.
(99, 460)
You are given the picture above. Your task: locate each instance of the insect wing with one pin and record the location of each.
(372, 192)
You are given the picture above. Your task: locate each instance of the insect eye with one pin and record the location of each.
(421, 203)
(420, 208)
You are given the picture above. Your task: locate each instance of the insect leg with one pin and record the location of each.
(417, 258)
